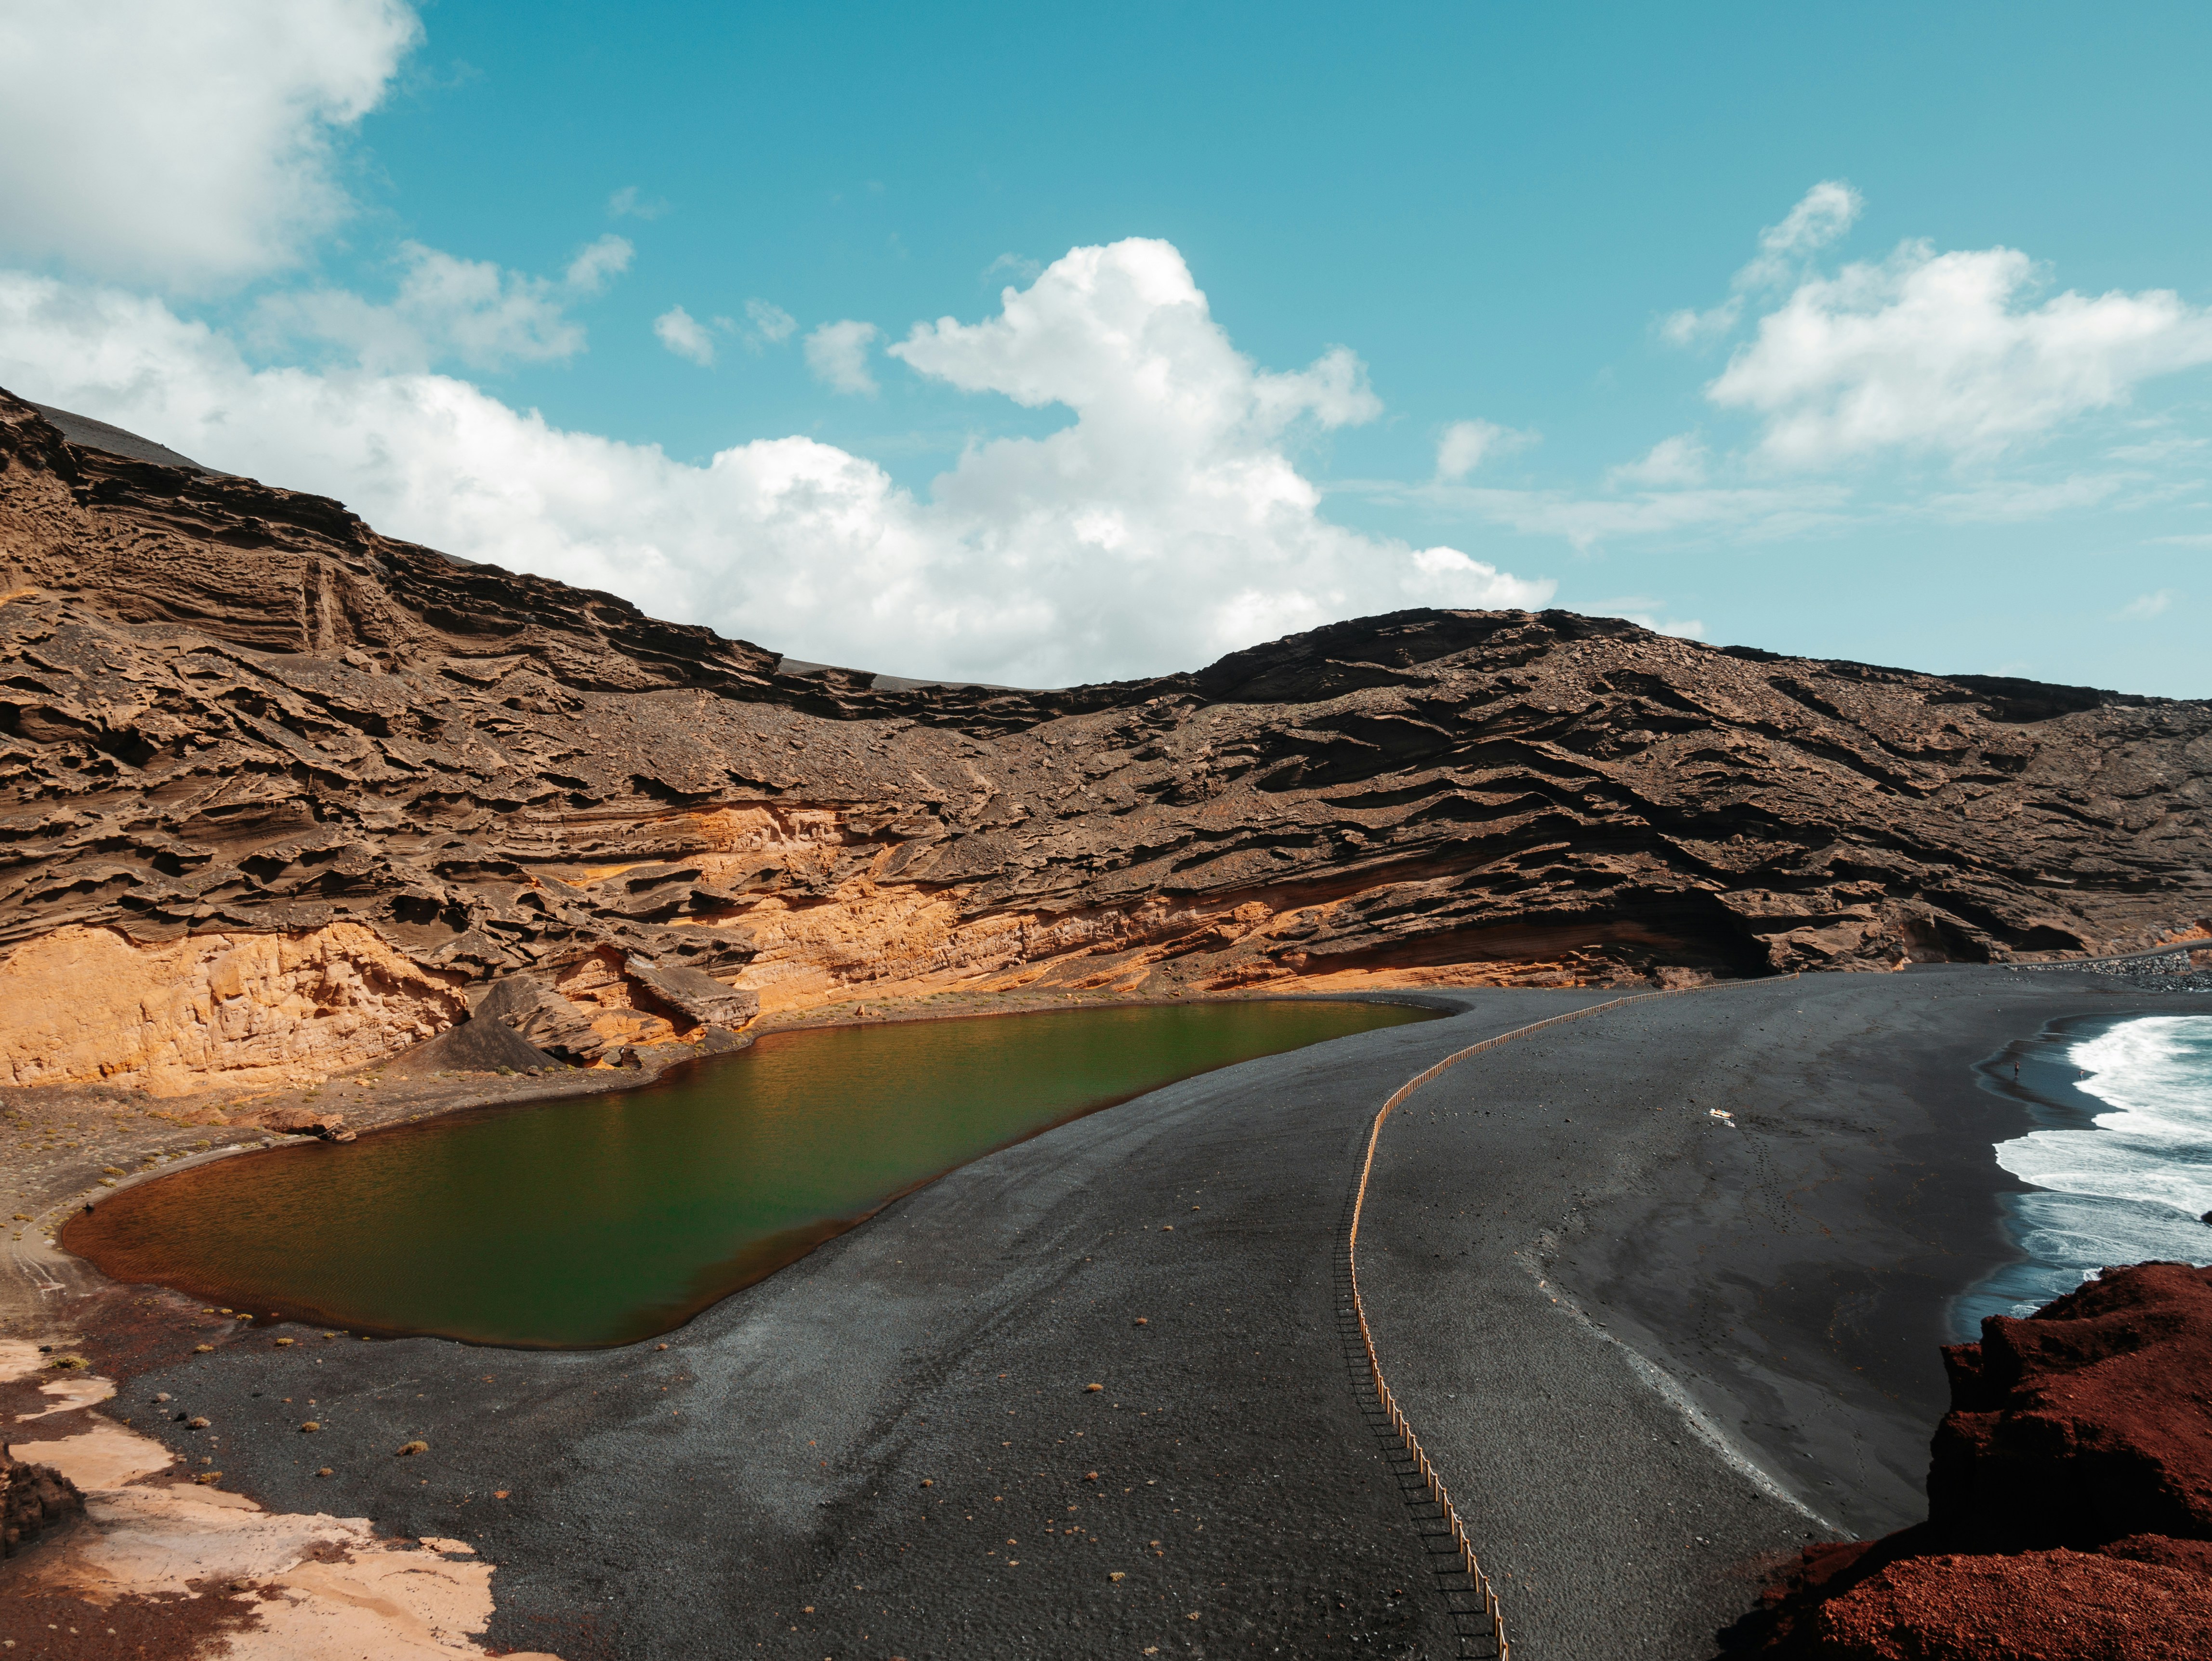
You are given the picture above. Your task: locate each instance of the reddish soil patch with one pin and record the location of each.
(67, 1628)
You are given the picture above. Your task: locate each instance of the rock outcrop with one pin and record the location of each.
(282, 796)
(2069, 1498)
(32, 1498)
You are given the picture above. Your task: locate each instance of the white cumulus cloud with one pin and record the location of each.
(1164, 525)
(686, 336)
(187, 146)
(1947, 352)
(837, 353)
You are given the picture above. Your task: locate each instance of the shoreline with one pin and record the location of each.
(2146, 1230)
(773, 1253)
(951, 1339)
(197, 1129)
(1654, 1291)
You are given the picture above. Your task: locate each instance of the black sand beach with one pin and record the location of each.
(863, 1455)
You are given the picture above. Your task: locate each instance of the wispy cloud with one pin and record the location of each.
(2146, 606)
(627, 203)
(1015, 266)
(1465, 445)
(1822, 215)
(772, 325)
(686, 336)
(449, 310)
(1680, 461)
(1648, 614)
(837, 353)
(600, 264)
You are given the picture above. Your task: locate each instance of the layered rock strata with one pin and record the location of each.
(283, 796)
(2069, 1498)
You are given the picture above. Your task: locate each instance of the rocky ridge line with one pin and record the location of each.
(283, 796)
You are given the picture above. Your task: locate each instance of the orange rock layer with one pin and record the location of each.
(279, 796)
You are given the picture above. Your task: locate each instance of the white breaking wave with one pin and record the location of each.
(2155, 1074)
(2134, 1187)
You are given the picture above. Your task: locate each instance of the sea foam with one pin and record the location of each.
(2135, 1186)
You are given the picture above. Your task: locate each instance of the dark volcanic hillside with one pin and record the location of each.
(283, 795)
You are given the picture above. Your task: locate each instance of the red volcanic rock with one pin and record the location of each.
(2041, 1606)
(2087, 1425)
(2090, 1419)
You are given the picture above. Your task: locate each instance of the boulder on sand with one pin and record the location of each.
(32, 1497)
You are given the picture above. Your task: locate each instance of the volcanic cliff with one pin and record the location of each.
(2070, 1512)
(283, 796)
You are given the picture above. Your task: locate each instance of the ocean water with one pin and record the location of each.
(2120, 1163)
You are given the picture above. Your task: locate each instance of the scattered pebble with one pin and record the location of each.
(1091, 1390)
(310, 1425)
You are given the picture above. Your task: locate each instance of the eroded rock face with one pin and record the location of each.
(2090, 1421)
(236, 711)
(233, 1009)
(2069, 1497)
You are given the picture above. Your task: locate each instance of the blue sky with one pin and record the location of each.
(1567, 367)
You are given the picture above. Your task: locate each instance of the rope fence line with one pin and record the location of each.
(1456, 1526)
(1462, 1543)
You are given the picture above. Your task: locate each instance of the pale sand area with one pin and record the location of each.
(328, 1588)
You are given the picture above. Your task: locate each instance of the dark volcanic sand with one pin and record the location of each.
(1792, 1271)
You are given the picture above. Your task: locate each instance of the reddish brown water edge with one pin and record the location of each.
(606, 1220)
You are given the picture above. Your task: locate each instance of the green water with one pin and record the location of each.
(605, 1219)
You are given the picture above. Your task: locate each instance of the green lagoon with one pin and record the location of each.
(607, 1220)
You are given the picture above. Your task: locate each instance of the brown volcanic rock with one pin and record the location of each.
(282, 795)
(2089, 1420)
(32, 1498)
